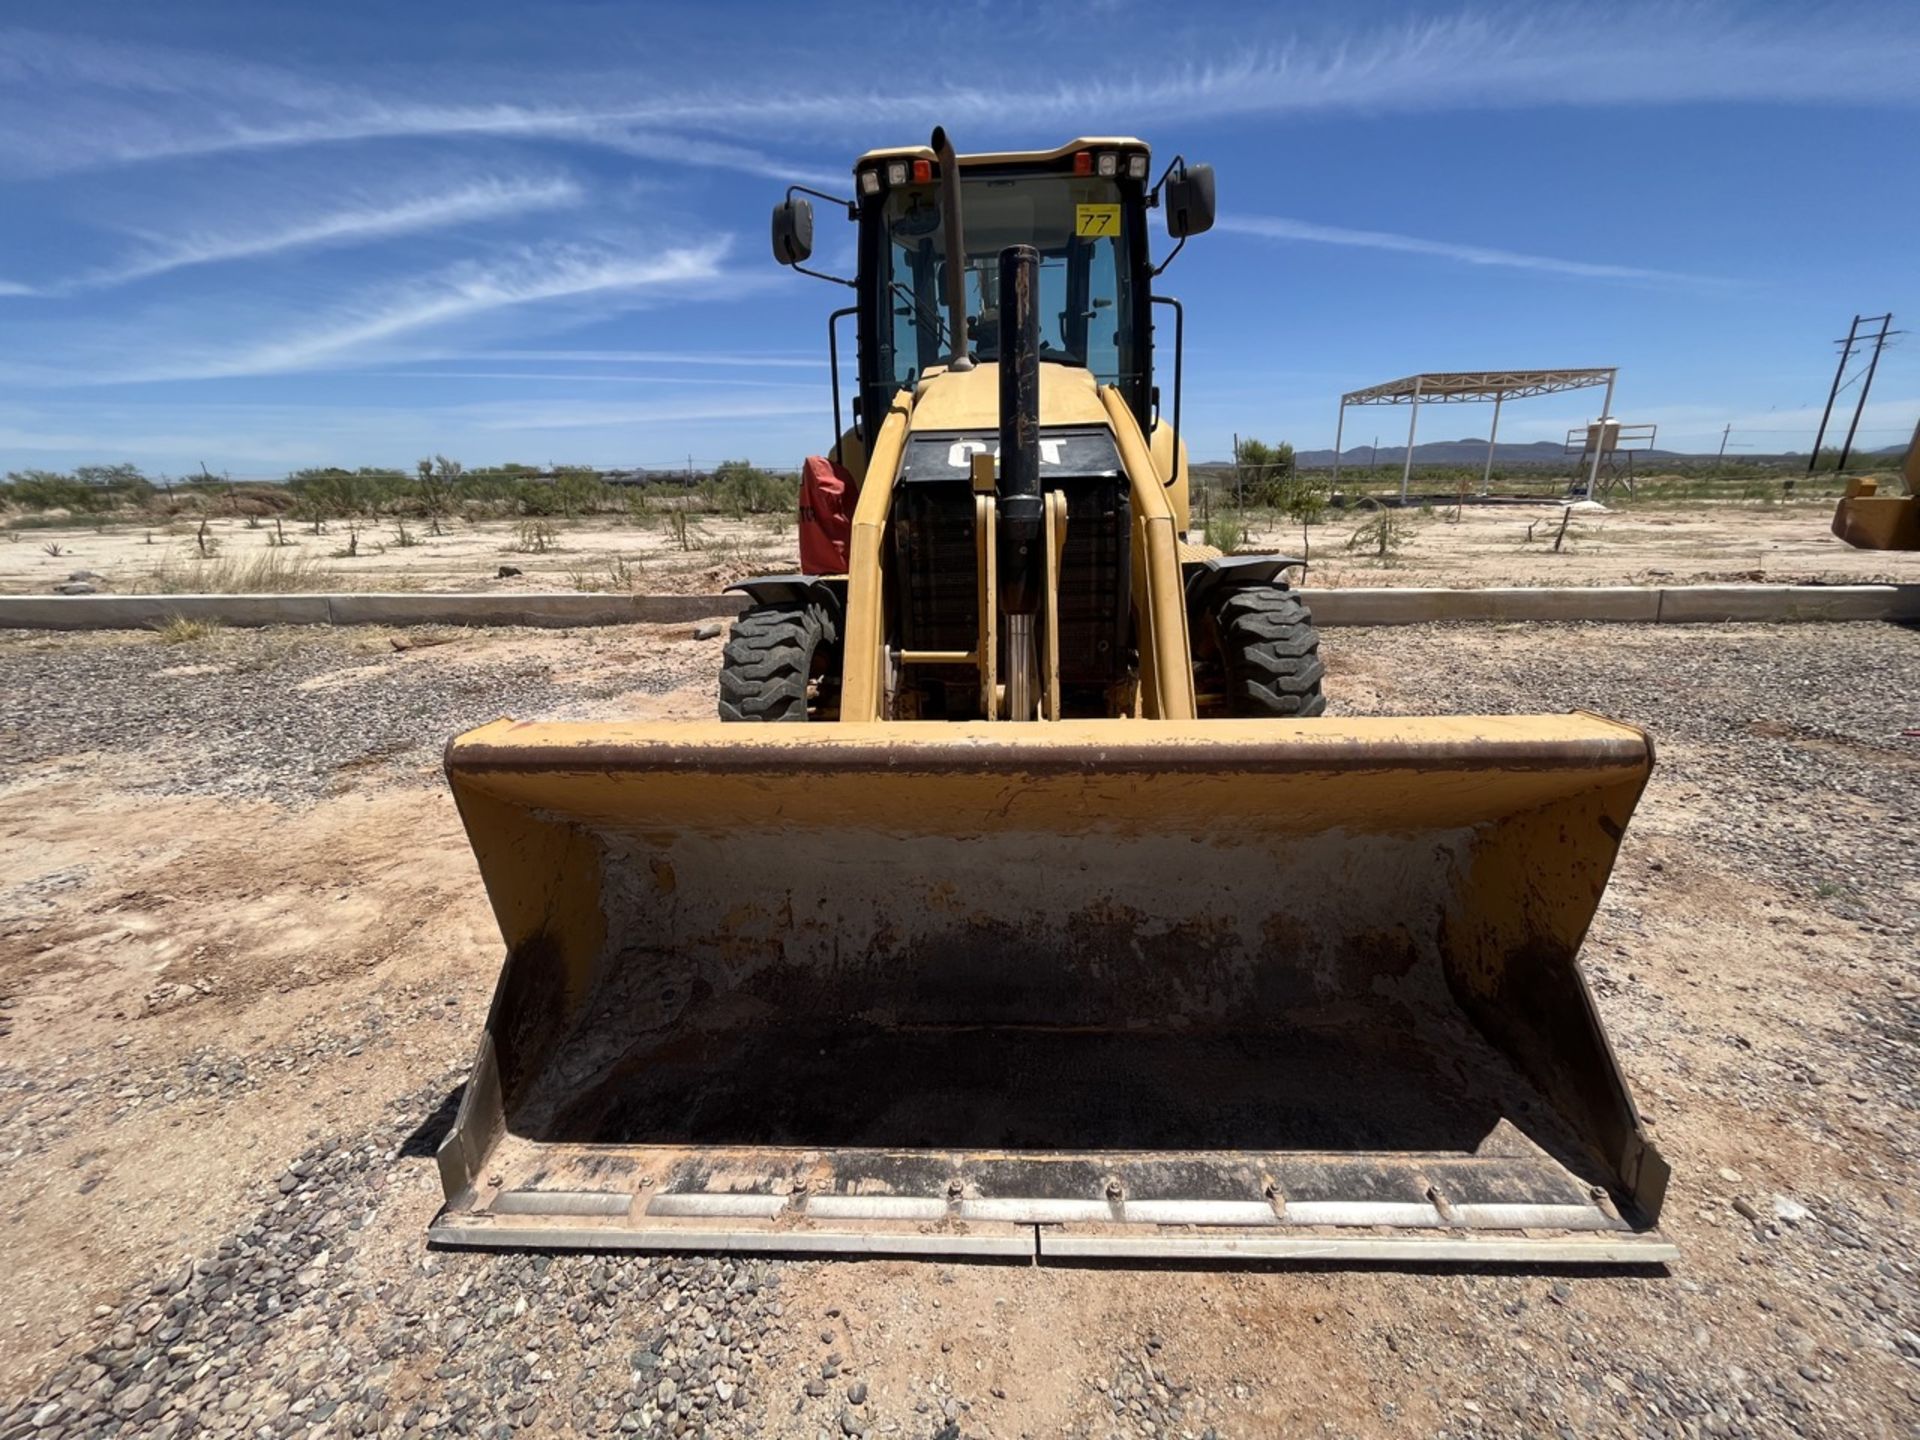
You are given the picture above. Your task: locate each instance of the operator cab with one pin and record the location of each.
(935, 230)
(1083, 207)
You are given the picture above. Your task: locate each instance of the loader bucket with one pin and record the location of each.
(1126, 988)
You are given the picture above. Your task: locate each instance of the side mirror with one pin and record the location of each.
(1189, 201)
(793, 231)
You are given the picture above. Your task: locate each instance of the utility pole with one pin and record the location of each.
(1723, 439)
(1859, 405)
(1833, 391)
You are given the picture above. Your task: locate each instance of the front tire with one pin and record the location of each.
(1269, 652)
(773, 654)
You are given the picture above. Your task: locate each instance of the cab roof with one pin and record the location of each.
(1007, 157)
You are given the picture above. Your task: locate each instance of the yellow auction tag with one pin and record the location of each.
(1096, 219)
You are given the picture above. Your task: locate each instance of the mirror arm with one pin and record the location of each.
(842, 280)
(851, 207)
(1154, 274)
(1179, 162)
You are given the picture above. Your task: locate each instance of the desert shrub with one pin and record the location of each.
(536, 497)
(578, 490)
(739, 488)
(337, 493)
(1226, 530)
(1383, 532)
(124, 483)
(50, 490)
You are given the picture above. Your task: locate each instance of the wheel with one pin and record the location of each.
(1269, 652)
(772, 654)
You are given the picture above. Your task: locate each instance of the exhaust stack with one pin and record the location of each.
(1022, 506)
(958, 355)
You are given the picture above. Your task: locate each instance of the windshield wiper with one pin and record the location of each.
(939, 330)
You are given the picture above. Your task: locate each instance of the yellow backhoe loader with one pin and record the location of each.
(1868, 520)
(1053, 918)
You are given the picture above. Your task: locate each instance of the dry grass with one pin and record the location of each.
(616, 573)
(263, 572)
(180, 630)
(533, 537)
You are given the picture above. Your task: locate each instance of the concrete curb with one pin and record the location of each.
(1684, 604)
(1673, 605)
(148, 612)
(555, 610)
(1411, 606)
(1626, 604)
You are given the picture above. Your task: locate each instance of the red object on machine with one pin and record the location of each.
(827, 497)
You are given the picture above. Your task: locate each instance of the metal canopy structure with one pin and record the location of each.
(1470, 387)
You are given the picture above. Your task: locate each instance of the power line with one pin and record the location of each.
(1796, 430)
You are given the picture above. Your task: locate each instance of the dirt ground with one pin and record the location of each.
(1503, 544)
(244, 958)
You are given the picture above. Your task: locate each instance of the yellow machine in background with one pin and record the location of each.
(1868, 520)
(1054, 918)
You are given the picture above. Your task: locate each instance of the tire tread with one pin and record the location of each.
(1270, 651)
(769, 660)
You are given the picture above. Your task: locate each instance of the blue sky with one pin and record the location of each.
(263, 236)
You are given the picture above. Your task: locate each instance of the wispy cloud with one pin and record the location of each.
(1504, 55)
(155, 103)
(589, 415)
(470, 290)
(746, 359)
(576, 377)
(354, 118)
(688, 151)
(362, 329)
(1273, 227)
(488, 199)
(1480, 57)
(149, 103)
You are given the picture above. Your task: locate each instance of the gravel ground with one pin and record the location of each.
(1755, 959)
(281, 1331)
(238, 712)
(1783, 734)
